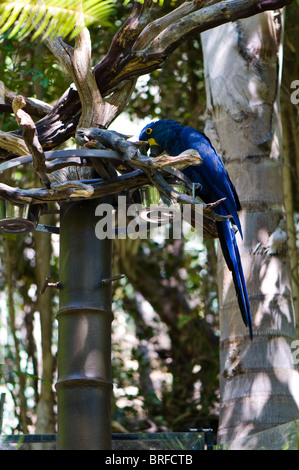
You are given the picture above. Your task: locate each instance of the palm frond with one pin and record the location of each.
(51, 17)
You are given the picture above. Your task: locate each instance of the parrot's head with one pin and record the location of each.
(162, 135)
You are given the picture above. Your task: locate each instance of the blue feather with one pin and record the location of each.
(215, 184)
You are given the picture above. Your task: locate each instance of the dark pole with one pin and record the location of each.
(84, 345)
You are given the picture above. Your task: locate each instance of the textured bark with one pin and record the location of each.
(258, 380)
(291, 155)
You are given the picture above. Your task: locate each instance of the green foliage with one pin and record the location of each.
(31, 70)
(161, 2)
(31, 376)
(55, 17)
(173, 341)
(52, 18)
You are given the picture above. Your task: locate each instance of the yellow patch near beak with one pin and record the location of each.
(152, 141)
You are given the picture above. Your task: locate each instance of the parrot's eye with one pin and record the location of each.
(149, 130)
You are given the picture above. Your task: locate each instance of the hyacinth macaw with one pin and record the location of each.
(170, 136)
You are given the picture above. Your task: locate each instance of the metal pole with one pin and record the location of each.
(84, 344)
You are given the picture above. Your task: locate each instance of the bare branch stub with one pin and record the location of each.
(31, 139)
(33, 106)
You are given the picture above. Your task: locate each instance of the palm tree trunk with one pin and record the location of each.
(291, 154)
(257, 379)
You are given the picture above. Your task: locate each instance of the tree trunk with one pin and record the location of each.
(257, 379)
(291, 155)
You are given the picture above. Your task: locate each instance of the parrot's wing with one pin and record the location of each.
(212, 174)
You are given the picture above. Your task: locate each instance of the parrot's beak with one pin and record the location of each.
(155, 149)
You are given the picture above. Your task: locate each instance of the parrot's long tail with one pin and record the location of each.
(232, 257)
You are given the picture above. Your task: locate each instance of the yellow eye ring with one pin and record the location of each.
(149, 130)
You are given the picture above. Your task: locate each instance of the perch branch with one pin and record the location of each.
(94, 137)
(12, 143)
(173, 195)
(181, 161)
(151, 166)
(100, 188)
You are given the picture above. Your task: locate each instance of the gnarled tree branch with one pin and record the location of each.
(142, 45)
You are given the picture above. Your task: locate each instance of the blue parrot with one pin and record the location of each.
(214, 184)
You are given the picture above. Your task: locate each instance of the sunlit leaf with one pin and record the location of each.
(51, 17)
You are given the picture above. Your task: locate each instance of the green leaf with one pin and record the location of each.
(32, 376)
(161, 2)
(52, 17)
(183, 320)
